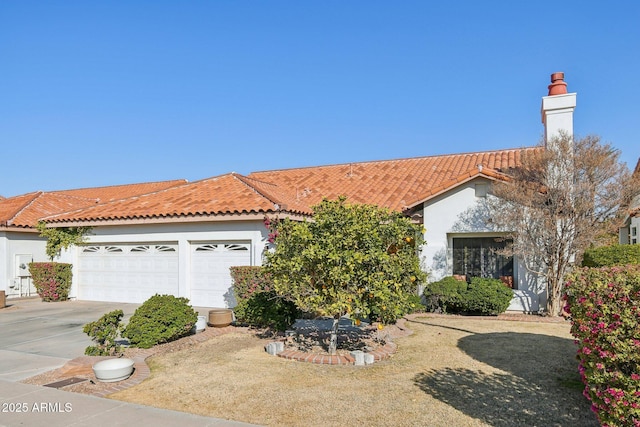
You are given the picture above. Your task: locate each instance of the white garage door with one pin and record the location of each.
(127, 272)
(210, 276)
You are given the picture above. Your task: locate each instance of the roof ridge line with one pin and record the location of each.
(243, 179)
(117, 185)
(255, 179)
(36, 196)
(397, 159)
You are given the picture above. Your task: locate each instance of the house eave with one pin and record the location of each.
(18, 228)
(417, 204)
(174, 219)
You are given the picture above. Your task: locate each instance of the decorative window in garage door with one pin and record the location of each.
(223, 247)
(140, 249)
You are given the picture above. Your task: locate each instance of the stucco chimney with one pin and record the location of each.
(557, 108)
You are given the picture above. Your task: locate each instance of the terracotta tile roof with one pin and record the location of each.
(396, 184)
(11, 207)
(229, 194)
(25, 210)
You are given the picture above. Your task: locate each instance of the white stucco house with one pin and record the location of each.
(181, 237)
(630, 231)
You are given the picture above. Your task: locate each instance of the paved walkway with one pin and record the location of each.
(30, 405)
(37, 337)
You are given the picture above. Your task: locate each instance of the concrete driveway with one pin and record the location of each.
(37, 337)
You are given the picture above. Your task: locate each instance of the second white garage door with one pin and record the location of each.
(211, 284)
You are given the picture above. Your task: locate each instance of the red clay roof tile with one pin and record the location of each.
(220, 195)
(396, 184)
(25, 210)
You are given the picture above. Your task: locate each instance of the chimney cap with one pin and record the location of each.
(558, 86)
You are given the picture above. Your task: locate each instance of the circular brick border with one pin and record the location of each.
(379, 354)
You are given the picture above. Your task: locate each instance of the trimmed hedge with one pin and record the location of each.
(608, 256)
(258, 305)
(160, 319)
(444, 295)
(51, 279)
(486, 297)
(604, 305)
(481, 296)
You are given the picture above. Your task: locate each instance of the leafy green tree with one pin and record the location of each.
(351, 259)
(61, 237)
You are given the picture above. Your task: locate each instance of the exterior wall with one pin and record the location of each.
(460, 213)
(182, 234)
(26, 245)
(625, 235)
(456, 213)
(635, 224)
(557, 115)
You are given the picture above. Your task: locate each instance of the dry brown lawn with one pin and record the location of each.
(452, 371)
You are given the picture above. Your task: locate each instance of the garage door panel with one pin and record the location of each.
(211, 284)
(127, 272)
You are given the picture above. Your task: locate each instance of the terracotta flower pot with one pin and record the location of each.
(220, 317)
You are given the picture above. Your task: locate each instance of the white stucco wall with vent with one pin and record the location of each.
(16, 249)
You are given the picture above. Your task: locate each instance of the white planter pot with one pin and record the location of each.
(201, 324)
(112, 370)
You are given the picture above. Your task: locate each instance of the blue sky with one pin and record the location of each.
(104, 93)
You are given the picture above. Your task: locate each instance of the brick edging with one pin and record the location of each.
(141, 368)
(379, 354)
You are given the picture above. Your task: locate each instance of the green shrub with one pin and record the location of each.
(444, 295)
(104, 332)
(486, 297)
(608, 256)
(482, 296)
(51, 279)
(161, 318)
(266, 309)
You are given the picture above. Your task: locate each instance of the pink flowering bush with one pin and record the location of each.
(604, 305)
(51, 279)
(248, 280)
(258, 304)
